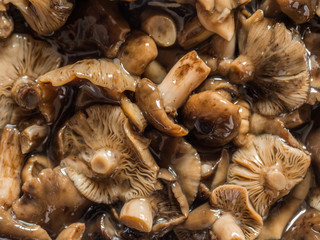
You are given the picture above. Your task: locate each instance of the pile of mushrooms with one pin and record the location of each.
(180, 119)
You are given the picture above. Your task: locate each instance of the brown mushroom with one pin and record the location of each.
(313, 146)
(12, 228)
(44, 16)
(11, 163)
(273, 64)
(307, 227)
(230, 214)
(72, 232)
(6, 22)
(33, 166)
(32, 137)
(314, 198)
(137, 52)
(160, 26)
(50, 200)
(221, 48)
(22, 60)
(299, 11)
(269, 169)
(221, 174)
(281, 214)
(155, 72)
(104, 157)
(216, 127)
(102, 72)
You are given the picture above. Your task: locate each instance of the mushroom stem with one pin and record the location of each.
(241, 70)
(276, 180)
(6, 22)
(105, 161)
(32, 137)
(226, 228)
(137, 214)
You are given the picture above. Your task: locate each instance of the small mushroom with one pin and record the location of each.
(221, 48)
(102, 72)
(137, 52)
(22, 60)
(313, 146)
(155, 72)
(314, 198)
(281, 214)
(33, 166)
(11, 163)
(216, 127)
(300, 11)
(12, 228)
(230, 214)
(50, 200)
(44, 16)
(104, 157)
(307, 227)
(272, 64)
(6, 22)
(160, 26)
(269, 169)
(72, 232)
(221, 174)
(32, 137)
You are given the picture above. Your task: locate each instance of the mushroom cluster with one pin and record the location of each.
(162, 120)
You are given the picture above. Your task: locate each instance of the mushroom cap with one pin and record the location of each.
(234, 199)
(44, 16)
(268, 168)
(102, 72)
(280, 77)
(22, 57)
(106, 128)
(306, 227)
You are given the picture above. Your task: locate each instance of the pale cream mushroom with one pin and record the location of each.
(269, 169)
(155, 72)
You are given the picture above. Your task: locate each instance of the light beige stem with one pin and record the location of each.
(105, 161)
(227, 229)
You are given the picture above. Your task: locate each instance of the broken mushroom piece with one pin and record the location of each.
(272, 64)
(11, 162)
(22, 60)
(269, 169)
(104, 157)
(45, 16)
(33, 136)
(50, 200)
(101, 72)
(137, 52)
(73, 232)
(12, 228)
(6, 22)
(307, 227)
(33, 166)
(216, 127)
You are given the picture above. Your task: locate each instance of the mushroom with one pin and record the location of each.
(155, 72)
(313, 146)
(32, 137)
(44, 16)
(272, 64)
(230, 215)
(33, 166)
(6, 22)
(22, 60)
(221, 174)
(11, 163)
(281, 214)
(314, 198)
(307, 227)
(269, 169)
(102, 72)
(216, 127)
(160, 26)
(137, 52)
(104, 157)
(300, 11)
(72, 232)
(15, 229)
(50, 200)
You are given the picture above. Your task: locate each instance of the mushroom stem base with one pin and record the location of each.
(227, 229)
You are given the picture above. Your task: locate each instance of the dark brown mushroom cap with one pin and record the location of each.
(22, 60)
(102, 72)
(106, 129)
(269, 169)
(273, 62)
(44, 16)
(234, 200)
(214, 127)
(50, 200)
(306, 227)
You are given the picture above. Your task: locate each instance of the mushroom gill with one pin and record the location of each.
(272, 64)
(269, 169)
(105, 158)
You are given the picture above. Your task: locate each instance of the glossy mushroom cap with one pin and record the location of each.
(273, 64)
(104, 157)
(269, 169)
